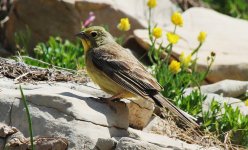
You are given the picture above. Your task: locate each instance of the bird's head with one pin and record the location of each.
(94, 36)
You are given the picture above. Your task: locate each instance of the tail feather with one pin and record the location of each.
(183, 116)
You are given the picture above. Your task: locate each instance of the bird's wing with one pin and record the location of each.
(124, 69)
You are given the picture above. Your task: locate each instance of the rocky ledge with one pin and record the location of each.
(73, 112)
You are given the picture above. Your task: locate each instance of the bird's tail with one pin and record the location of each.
(183, 116)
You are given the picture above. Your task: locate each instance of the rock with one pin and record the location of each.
(162, 141)
(6, 130)
(42, 143)
(130, 144)
(16, 141)
(227, 88)
(160, 126)
(106, 144)
(69, 110)
(66, 113)
(140, 112)
(231, 52)
(63, 18)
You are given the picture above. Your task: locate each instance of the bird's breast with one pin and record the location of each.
(101, 79)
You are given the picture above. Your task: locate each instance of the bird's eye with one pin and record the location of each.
(93, 33)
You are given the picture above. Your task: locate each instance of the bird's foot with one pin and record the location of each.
(109, 99)
(110, 102)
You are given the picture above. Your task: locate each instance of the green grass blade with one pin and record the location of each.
(29, 118)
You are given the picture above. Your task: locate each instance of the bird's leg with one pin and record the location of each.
(112, 99)
(116, 97)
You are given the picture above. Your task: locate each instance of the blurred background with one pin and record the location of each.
(63, 18)
(45, 29)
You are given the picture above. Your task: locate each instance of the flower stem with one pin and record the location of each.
(174, 31)
(149, 24)
(197, 49)
(168, 54)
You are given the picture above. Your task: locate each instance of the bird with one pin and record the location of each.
(119, 73)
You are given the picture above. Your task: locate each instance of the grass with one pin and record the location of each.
(235, 8)
(55, 52)
(62, 53)
(29, 118)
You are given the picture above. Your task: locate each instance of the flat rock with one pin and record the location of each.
(72, 111)
(130, 144)
(63, 112)
(231, 51)
(162, 141)
(227, 88)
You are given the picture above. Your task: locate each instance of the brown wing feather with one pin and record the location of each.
(124, 69)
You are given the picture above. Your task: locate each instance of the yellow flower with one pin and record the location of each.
(157, 32)
(246, 102)
(202, 37)
(177, 19)
(174, 66)
(185, 60)
(172, 38)
(152, 3)
(124, 24)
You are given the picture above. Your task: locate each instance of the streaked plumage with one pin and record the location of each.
(119, 73)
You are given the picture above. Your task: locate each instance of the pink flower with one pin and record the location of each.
(89, 20)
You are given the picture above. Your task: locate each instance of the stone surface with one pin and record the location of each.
(53, 143)
(12, 139)
(16, 141)
(131, 144)
(73, 112)
(106, 144)
(60, 109)
(226, 36)
(6, 130)
(63, 17)
(227, 88)
(162, 141)
(140, 112)
(160, 126)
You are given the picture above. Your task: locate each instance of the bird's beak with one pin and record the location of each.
(85, 40)
(81, 35)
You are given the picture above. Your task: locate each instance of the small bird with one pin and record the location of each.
(119, 73)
